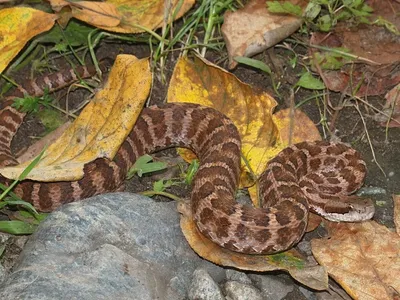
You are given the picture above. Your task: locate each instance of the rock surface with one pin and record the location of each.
(113, 246)
(123, 246)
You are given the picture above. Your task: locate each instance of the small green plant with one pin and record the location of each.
(30, 104)
(28, 217)
(145, 164)
(325, 14)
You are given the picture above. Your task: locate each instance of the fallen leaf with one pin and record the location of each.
(364, 258)
(204, 83)
(100, 128)
(253, 29)
(37, 147)
(313, 276)
(125, 16)
(295, 129)
(17, 26)
(99, 14)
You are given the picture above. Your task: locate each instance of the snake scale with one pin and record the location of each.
(310, 176)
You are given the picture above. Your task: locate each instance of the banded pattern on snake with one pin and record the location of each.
(316, 176)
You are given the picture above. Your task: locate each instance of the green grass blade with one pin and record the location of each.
(17, 227)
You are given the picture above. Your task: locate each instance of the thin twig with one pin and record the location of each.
(369, 139)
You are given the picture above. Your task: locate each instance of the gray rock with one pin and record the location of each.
(3, 273)
(203, 287)
(307, 293)
(238, 276)
(271, 286)
(113, 246)
(240, 291)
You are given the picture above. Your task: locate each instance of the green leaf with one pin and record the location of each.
(17, 227)
(191, 171)
(284, 8)
(75, 34)
(159, 186)
(312, 11)
(307, 81)
(253, 63)
(325, 23)
(29, 168)
(144, 165)
(51, 119)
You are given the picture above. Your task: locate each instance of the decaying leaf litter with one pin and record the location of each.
(356, 90)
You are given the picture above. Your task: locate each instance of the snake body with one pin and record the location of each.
(316, 176)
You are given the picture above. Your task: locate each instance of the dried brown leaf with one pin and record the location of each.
(253, 29)
(364, 258)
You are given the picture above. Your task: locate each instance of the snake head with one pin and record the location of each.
(359, 210)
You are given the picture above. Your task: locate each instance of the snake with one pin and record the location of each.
(319, 176)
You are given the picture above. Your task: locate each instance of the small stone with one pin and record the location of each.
(307, 293)
(240, 291)
(241, 277)
(203, 287)
(272, 286)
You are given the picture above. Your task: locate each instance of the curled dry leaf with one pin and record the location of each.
(126, 16)
(98, 14)
(364, 258)
(17, 26)
(313, 276)
(100, 128)
(253, 29)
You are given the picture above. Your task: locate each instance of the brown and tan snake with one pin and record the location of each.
(316, 176)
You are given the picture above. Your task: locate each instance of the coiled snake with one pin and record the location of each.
(316, 176)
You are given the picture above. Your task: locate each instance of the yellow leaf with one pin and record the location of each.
(17, 26)
(297, 128)
(364, 258)
(290, 261)
(207, 84)
(95, 13)
(126, 16)
(101, 127)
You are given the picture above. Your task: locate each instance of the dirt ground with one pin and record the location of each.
(348, 126)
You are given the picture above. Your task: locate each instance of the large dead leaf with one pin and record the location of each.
(101, 127)
(17, 26)
(364, 258)
(313, 276)
(125, 16)
(203, 83)
(253, 29)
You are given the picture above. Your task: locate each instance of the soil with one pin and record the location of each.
(348, 127)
